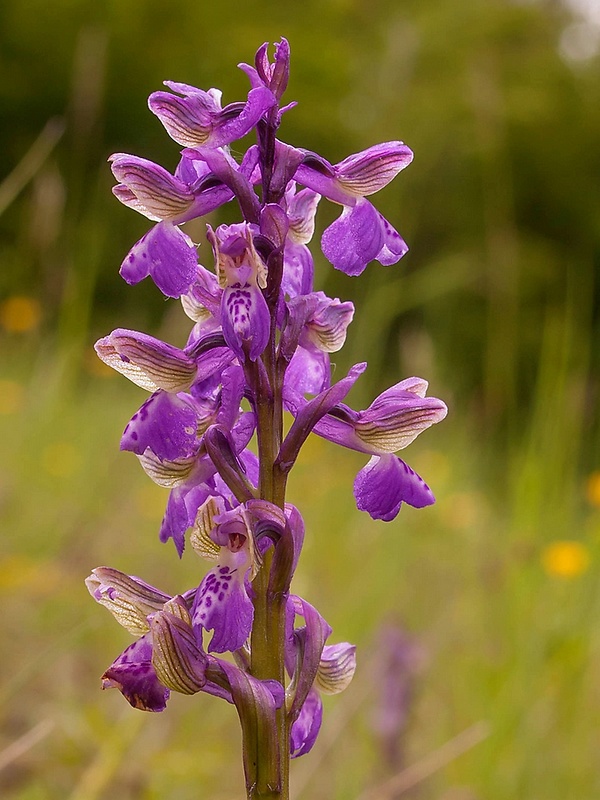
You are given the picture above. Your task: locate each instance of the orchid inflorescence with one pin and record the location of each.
(260, 346)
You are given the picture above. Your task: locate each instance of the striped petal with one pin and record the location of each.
(147, 361)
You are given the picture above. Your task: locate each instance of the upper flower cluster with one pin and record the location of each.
(260, 343)
(208, 176)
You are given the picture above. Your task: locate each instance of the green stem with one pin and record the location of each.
(267, 644)
(268, 630)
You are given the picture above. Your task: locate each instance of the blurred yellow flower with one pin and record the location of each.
(11, 396)
(592, 488)
(19, 314)
(565, 559)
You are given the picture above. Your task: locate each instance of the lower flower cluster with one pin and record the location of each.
(170, 653)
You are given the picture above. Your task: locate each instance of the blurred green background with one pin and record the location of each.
(491, 595)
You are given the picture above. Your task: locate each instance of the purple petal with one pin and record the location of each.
(167, 255)
(191, 172)
(177, 655)
(302, 210)
(133, 674)
(180, 513)
(246, 320)
(222, 604)
(326, 328)
(394, 246)
(369, 171)
(385, 483)
(306, 727)
(314, 635)
(188, 120)
(166, 423)
(129, 599)
(354, 239)
(149, 188)
(203, 298)
(309, 371)
(298, 269)
(147, 361)
(396, 417)
(337, 667)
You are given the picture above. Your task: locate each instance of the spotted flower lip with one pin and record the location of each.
(222, 602)
(245, 316)
(167, 255)
(385, 483)
(360, 235)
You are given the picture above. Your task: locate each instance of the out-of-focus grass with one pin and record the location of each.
(503, 609)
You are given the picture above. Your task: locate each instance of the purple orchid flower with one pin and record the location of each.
(391, 423)
(222, 602)
(168, 655)
(245, 316)
(361, 234)
(165, 252)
